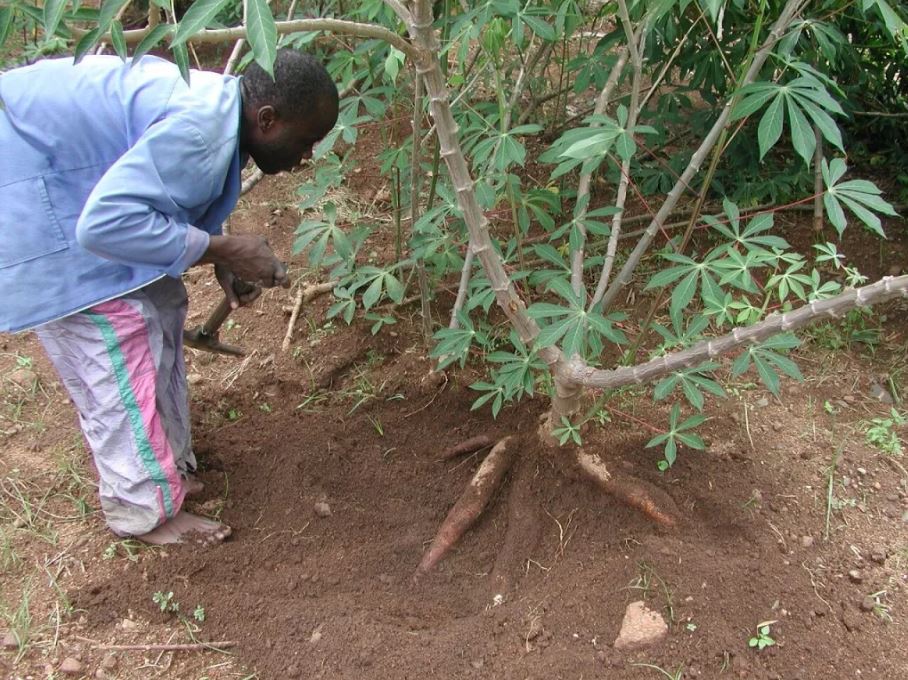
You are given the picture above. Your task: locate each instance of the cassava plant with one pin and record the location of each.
(547, 123)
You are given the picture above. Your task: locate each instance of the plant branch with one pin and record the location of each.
(782, 23)
(583, 186)
(831, 308)
(215, 35)
(637, 65)
(481, 243)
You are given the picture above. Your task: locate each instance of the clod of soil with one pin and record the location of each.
(640, 628)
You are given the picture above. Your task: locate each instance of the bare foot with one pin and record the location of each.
(193, 485)
(186, 527)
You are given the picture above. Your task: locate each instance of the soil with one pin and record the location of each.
(325, 462)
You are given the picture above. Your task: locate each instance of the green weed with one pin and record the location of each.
(881, 432)
(763, 638)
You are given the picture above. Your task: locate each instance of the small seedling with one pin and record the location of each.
(165, 602)
(762, 639)
(690, 626)
(234, 415)
(199, 613)
(265, 407)
(881, 432)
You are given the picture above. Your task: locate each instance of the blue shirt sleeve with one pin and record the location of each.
(138, 213)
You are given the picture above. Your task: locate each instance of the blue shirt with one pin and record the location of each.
(111, 176)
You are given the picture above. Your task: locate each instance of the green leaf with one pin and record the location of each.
(373, 293)
(85, 44)
(767, 375)
(770, 128)
(117, 39)
(53, 12)
(552, 333)
(6, 21)
(197, 17)
(752, 103)
(834, 212)
(108, 13)
(156, 35)
(181, 57)
(683, 293)
(262, 34)
(825, 123)
(868, 218)
(802, 136)
(540, 27)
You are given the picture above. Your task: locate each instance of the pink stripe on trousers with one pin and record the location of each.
(132, 334)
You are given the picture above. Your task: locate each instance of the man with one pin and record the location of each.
(114, 179)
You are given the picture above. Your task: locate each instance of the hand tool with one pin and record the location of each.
(205, 337)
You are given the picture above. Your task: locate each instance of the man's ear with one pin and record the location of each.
(266, 117)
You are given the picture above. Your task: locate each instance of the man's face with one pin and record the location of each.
(277, 145)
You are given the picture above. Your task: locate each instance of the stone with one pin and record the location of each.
(322, 509)
(878, 555)
(849, 399)
(867, 604)
(640, 628)
(880, 393)
(806, 541)
(24, 378)
(762, 402)
(855, 576)
(9, 641)
(71, 666)
(109, 662)
(194, 378)
(129, 625)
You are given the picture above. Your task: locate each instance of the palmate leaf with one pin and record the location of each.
(767, 360)
(861, 197)
(806, 99)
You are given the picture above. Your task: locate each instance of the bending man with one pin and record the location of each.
(114, 179)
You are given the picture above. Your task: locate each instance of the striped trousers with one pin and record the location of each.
(122, 364)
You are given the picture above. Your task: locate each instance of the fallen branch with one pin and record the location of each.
(197, 647)
(470, 505)
(304, 295)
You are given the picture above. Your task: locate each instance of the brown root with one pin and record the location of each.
(468, 446)
(651, 501)
(470, 505)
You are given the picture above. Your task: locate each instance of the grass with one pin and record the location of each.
(830, 490)
(18, 619)
(677, 675)
(649, 580)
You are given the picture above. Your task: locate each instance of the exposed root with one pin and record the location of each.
(651, 501)
(467, 446)
(470, 505)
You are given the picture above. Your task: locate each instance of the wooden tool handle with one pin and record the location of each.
(222, 311)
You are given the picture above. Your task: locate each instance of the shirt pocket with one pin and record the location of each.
(29, 229)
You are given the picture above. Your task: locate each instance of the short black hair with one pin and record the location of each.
(301, 88)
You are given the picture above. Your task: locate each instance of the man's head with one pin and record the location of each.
(285, 117)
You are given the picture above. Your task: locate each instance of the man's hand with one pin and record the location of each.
(238, 292)
(249, 258)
